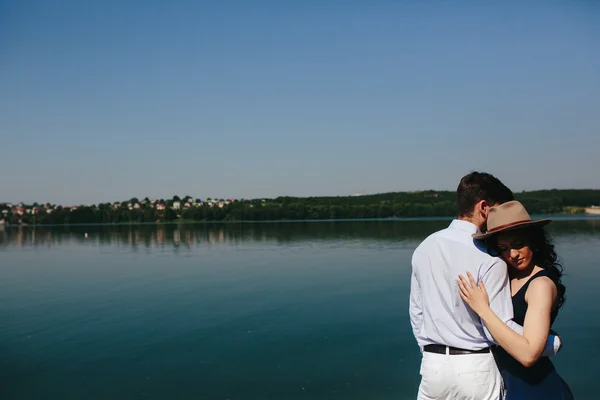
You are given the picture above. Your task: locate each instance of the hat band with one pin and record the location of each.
(510, 225)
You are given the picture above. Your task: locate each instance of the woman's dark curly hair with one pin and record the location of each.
(544, 256)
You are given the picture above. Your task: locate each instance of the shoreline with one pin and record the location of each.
(556, 217)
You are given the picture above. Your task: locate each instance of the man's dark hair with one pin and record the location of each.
(478, 186)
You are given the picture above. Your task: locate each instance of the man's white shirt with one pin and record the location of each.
(438, 315)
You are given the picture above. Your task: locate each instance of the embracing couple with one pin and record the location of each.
(484, 294)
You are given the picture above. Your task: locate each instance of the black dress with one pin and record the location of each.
(541, 381)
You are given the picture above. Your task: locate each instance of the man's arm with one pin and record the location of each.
(497, 284)
(416, 305)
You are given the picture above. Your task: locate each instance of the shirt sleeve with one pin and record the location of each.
(416, 302)
(497, 286)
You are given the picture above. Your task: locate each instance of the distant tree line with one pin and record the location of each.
(384, 205)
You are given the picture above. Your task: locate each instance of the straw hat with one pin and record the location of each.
(508, 216)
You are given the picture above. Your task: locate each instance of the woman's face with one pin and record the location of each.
(514, 249)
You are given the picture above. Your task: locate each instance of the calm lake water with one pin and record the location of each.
(272, 311)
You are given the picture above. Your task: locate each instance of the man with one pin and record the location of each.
(457, 359)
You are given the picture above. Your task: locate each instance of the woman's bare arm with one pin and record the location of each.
(540, 297)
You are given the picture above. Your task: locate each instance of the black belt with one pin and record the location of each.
(441, 349)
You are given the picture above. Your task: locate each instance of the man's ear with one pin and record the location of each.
(483, 208)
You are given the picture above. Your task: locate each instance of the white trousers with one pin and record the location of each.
(460, 377)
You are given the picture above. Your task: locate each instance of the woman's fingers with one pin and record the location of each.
(462, 295)
(472, 280)
(482, 287)
(464, 289)
(484, 291)
(461, 287)
(464, 281)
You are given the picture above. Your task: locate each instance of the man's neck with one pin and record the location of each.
(470, 220)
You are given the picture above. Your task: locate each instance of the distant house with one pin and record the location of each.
(176, 205)
(116, 205)
(136, 206)
(160, 207)
(593, 210)
(5, 212)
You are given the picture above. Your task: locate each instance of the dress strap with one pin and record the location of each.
(539, 274)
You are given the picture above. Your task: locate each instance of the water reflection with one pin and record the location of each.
(194, 235)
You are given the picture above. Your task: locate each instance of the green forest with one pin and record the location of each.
(383, 205)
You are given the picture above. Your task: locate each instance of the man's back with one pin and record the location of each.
(457, 362)
(438, 314)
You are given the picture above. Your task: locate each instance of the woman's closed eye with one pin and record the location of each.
(518, 244)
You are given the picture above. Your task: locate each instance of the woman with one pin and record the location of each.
(537, 295)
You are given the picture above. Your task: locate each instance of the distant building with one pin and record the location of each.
(593, 210)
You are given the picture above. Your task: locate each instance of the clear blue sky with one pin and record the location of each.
(108, 101)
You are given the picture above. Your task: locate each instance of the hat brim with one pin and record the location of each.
(520, 225)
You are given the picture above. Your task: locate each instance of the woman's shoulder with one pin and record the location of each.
(542, 281)
(542, 287)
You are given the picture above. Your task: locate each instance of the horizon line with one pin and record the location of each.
(279, 196)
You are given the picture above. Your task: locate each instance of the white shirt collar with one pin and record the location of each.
(465, 226)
